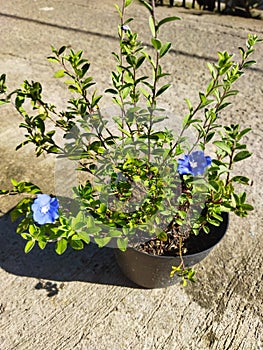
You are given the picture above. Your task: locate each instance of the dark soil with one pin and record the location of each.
(192, 245)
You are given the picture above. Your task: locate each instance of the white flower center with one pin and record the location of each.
(193, 164)
(45, 209)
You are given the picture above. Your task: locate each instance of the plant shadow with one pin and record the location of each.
(92, 264)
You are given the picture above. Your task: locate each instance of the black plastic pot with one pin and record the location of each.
(153, 271)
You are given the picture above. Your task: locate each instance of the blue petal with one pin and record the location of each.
(184, 166)
(208, 160)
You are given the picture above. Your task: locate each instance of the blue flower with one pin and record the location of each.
(45, 209)
(194, 164)
(125, 28)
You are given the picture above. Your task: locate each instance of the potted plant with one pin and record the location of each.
(137, 186)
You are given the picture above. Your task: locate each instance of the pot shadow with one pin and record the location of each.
(92, 264)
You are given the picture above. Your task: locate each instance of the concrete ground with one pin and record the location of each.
(80, 300)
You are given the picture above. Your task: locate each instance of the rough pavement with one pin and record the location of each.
(80, 300)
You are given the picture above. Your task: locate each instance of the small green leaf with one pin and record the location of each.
(162, 89)
(122, 244)
(147, 5)
(59, 74)
(248, 207)
(84, 236)
(114, 233)
(241, 179)
(111, 91)
(249, 63)
(52, 59)
(127, 3)
(215, 186)
(3, 101)
(209, 136)
(76, 244)
(162, 236)
(94, 230)
(211, 69)
(4, 192)
(61, 50)
(14, 182)
(152, 26)
(156, 43)
(166, 20)
(119, 10)
(61, 246)
(222, 145)
(241, 155)
(165, 48)
(204, 101)
(29, 246)
(206, 229)
(243, 132)
(22, 226)
(42, 244)
(101, 242)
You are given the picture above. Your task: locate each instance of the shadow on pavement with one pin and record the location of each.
(92, 264)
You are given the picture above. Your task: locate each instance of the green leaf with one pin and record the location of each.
(140, 62)
(162, 89)
(61, 50)
(61, 246)
(76, 244)
(14, 182)
(22, 226)
(209, 136)
(248, 207)
(215, 186)
(249, 63)
(94, 230)
(147, 5)
(59, 74)
(152, 26)
(206, 229)
(165, 48)
(122, 244)
(32, 230)
(114, 233)
(189, 104)
(42, 244)
(101, 242)
(52, 59)
(213, 222)
(29, 246)
(222, 145)
(162, 236)
(156, 43)
(4, 192)
(211, 69)
(204, 100)
(111, 91)
(241, 155)
(3, 101)
(241, 179)
(166, 20)
(119, 10)
(84, 237)
(79, 221)
(243, 132)
(223, 105)
(127, 3)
